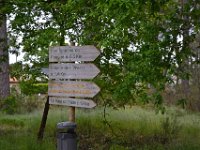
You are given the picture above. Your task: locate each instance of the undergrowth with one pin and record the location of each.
(128, 129)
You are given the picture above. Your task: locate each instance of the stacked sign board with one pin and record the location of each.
(66, 65)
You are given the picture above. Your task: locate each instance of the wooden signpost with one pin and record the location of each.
(72, 102)
(73, 88)
(67, 63)
(73, 53)
(66, 66)
(72, 71)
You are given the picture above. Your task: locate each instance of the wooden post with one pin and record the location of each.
(71, 110)
(44, 120)
(72, 114)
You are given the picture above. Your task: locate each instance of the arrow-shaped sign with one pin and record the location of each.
(73, 53)
(72, 102)
(72, 88)
(72, 71)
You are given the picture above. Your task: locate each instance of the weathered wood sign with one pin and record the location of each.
(60, 90)
(72, 102)
(73, 53)
(72, 71)
(72, 88)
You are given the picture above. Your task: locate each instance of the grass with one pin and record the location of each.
(124, 129)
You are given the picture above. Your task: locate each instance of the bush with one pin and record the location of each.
(30, 88)
(20, 103)
(41, 88)
(30, 103)
(9, 105)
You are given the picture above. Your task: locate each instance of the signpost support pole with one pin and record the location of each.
(63, 88)
(67, 140)
(71, 114)
(44, 120)
(72, 109)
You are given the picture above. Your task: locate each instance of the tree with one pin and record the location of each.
(4, 61)
(140, 37)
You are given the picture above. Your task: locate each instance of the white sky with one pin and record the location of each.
(12, 58)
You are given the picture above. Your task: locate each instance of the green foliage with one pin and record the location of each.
(18, 103)
(139, 40)
(12, 122)
(42, 88)
(31, 103)
(10, 105)
(171, 127)
(30, 87)
(16, 70)
(27, 87)
(143, 130)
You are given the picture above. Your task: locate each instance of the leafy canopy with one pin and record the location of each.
(139, 39)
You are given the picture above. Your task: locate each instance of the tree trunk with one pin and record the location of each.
(186, 64)
(4, 61)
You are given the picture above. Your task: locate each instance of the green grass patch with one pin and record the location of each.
(123, 129)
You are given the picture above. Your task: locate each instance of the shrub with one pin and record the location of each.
(10, 105)
(30, 88)
(30, 103)
(41, 88)
(20, 103)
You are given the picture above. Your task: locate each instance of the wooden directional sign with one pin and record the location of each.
(72, 71)
(73, 53)
(72, 102)
(72, 88)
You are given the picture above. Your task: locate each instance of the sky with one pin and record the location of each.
(12, 58)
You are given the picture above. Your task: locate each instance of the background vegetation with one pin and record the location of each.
(146, 46)
(149, 55)
(124, 129)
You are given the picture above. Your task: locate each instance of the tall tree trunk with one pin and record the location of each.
(4, 61)
(186, 63)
